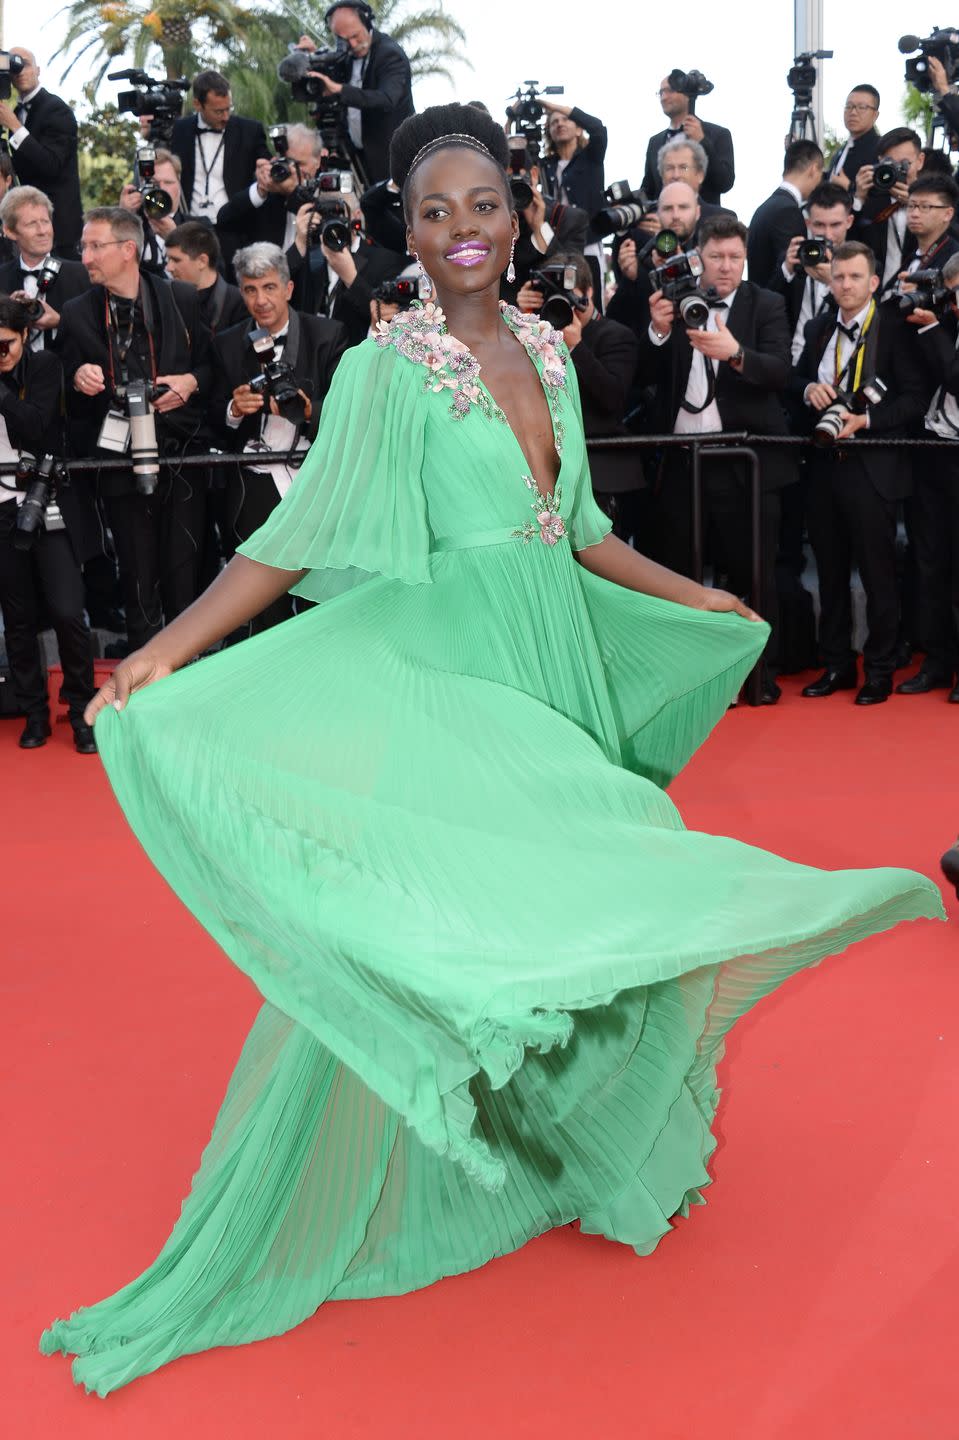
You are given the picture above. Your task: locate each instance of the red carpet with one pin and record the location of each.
(815, 1296)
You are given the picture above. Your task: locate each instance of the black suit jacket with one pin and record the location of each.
(348, 304)
(384, 100)
(240, 223)
(244, 143)
(721, 173)
(570, 227)
(605, 362)
(874, 232)
(182, 345)
(47, 158)
(892, 354)
(864, 151)
(320, 347)
(747, 400)
(584, 177)
(71, 281)
(772, 227)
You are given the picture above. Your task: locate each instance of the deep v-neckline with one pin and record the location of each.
(500, 413)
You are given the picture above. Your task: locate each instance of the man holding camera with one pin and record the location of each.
(930, 212)
(272, 374)
(716, 141)
(804, 278)
(41, 550)
(43, 149)
(136, 361)
(378, 96)
(678, 210)
(158, 200)
(217, 150)
(854, 498)
(36, 277)
(727, 372)
(545, 229)
(780, 218)
(265, 211)
(880, 202)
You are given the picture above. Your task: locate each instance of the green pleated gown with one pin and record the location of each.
(427, 818)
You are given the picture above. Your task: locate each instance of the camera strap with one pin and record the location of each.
(122, 346)
(207, 168)
(856, 359)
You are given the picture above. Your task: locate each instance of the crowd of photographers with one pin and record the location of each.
(206, 311)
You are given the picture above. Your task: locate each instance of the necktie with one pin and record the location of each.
(849, 330)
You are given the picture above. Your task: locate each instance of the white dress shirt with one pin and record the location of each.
(354, 118)
(17, 137)
(827, 365)
(209, 189)
(697, 386)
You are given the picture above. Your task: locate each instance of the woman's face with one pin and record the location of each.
(561, 128)
(461, 224)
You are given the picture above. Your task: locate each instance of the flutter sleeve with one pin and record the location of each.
(586, 523)
(357, 503)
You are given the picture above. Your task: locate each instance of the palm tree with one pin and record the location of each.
(186, 35)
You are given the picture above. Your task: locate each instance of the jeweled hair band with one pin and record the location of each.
(441, 140)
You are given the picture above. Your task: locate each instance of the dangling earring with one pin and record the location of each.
(511, 268)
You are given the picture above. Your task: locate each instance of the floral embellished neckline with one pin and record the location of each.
(420, 334)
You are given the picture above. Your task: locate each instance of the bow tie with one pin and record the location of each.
(671, 133)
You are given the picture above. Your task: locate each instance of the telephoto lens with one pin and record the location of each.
(829, 424)
(143, 437)
(694, 312)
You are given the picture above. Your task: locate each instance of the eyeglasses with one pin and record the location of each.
(852, 105)
(97, 245)
(924, 209)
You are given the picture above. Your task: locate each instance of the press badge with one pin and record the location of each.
(114, 433)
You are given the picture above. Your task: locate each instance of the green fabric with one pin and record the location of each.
(426, 818)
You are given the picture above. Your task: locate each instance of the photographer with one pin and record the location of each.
(130, 330)
(157, 228)
(716, 141)
(545, 230)
(854, 498)
(265, 212)
(43, 149)
(573, 170)
(45, 573)
(930, 213)
(780, 218)
(379, 94)
(27, 218)
(278, 416)
(861, 146)
(880, 209)
(807, 287)
(679, 211)
(217, 150)
(728, 375)
(193, 257)
(934, 531)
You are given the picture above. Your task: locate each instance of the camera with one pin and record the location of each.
(137, 397)
(831, 420)
(557, 284)
(520, 163)
(402, 293)
(44, 278)
(163, 99)
(528, 115)
(335, 64)
(814, 251)
(801, 79)
(9, 65)
(942, 44)
(931, 293)
(39, 510)
(328, 182)
(678, 280)
(691, 83)
(156, 202)
(276, 380)
(626, 208)
(280, 168)
(888, 173)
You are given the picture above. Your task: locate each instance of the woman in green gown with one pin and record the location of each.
(426, 817)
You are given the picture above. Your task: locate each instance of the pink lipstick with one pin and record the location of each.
(470, 252)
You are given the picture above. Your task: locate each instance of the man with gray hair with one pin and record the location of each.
(267, 209)
(131, 327)
(43, 149)
(35, 276)
(272, 373)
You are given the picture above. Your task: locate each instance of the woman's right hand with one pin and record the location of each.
(133, 673)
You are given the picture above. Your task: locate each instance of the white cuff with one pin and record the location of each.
(256, 199)
(856, 204)
(656, 338)
(17, 137)
(234, 421)
(924, 328)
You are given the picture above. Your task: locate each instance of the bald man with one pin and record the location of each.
(43, 150)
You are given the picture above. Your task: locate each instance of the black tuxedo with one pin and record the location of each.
(347, 304)
(244, 142)
(30, 404)
(772, 227)
(221, 306)
(570, 227)
(241, 223)
(864, 151)
(47, 158)
(384, 99)
(605, 362)
(158, 538)
(640, 238)
(70, 282)
(793, 292)
(873, 230)
(853, 497)
(721, 173)
(583, 178)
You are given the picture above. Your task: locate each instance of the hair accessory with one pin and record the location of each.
(469, 140)
(511, 268)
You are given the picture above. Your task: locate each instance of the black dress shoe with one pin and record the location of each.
(874, 692)
(831, 680)
(923, 681)
(954, 695)
(36, 732)
(950, 863)
(83, 741)
(770, 692)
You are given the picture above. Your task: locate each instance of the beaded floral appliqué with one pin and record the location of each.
(549, 523)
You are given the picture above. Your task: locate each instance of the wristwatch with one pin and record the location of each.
(737, 358)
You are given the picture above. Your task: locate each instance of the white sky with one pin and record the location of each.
(745, 49)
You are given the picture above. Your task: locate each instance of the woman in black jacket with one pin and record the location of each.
(573, 171)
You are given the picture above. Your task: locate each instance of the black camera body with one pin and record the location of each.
(626, 208)
(557, 284)
(814, 251)
(677, 279)
(280, 168)
(163, 99)
(931, 293)
(44, 277)
(402, 292)
(528, 116)
(9, 65)
(39, 510)
(856, 402)
(276, 380)
(691, 83)
(156, 203)
(336, 65)
(887, 173)
(943, 45)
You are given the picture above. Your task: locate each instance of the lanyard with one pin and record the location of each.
(208, 169)
(124, 346)
(859, 353)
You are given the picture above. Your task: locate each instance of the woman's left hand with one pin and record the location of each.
(720, 600)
